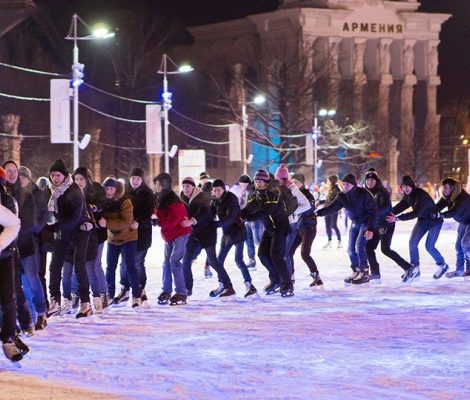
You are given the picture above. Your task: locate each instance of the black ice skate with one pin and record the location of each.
(271, 288)
(442, 269)
(411, 274)
(227, 294)
(163, 298)
(85, 312)
(361, 278)
(122, 297)
(178, 299)
(41, 323)
(11, 351)
(351, 277)
(22, 346)
(251, 291)
(287, 290)
(317, 282)
(217, 292)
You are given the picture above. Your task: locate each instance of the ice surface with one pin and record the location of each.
(379, 342)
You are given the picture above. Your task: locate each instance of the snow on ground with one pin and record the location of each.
(379, 342)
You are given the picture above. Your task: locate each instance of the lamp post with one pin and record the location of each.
(258, 100)
(316, 132)
(166, 96)
(77, 70)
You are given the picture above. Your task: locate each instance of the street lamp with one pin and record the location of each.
(77, 79)
(166, 96)
(323, 112)
(257, 100)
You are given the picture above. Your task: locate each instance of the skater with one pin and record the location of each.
(225, 205)
(362, 211)
(170, 212)
(331, 220)
(203, 235)
(385, 230)
(265, 203)
(428, 221)
(457, 202)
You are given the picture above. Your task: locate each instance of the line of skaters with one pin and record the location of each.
(73, 217)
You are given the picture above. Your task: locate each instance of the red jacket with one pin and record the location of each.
(169, 220)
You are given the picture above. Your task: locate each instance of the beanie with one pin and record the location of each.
(137, 172)
(407, 180)
(3, 176)
(25, 172)
(189, 181)
(218, 183)
(372, 174)
(110, 182)
(299, 177)
(333, 179)
(164, 179)
(349, 178)
(58, 166)
(261, 175)
(282, 172)
(204, 175)
(244, 179)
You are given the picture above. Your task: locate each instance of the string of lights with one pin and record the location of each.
(34, 71)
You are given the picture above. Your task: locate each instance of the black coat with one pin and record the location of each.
(360, 204)
(423, 207)
(199, 208)
(268, 206)
(95, 195)
(458, 205)
(72, 212)
(9, 202)
(383, 199)
(228, 211)
(143, 201)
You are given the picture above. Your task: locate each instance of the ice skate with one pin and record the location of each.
(11, 351)
(251, 291)
(227, 294)
(251, 264)
(375, 279)
(271, 288)
(442, 269)
(412, 274)
(122, 297)
(455, 274)
(207, 272)
(54, 308)
(361, 278)
(178, 299)
(218, 291)
(329, 245)
(85, 313)
(351, 277)
(144, 298)
(41, 323)
(317, 283)
(163, 298)
(287, 290)
(22, 346)
(97, 305)
(66, 307)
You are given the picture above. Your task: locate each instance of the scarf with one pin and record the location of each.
(57, 191)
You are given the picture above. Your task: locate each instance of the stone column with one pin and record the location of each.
(10, 146)
(406, 141)
(154, 166)
(359, 78)
(431, 129)
(96, 152)
(237, 95)
(334, 76)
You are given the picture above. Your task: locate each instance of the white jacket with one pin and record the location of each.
(302, 204)
(11, 224)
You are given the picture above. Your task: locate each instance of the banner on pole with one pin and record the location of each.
(234, 137)
(60, 111)
(153, 128)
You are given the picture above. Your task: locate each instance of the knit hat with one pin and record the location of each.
(25, 172)
(137, 172)
(189, 181)
(407, 180)
(204, 175)
(244, 179)
(299, 177)
(372, 174)
(110, 182)
(3, 176)
(449, 181)
(218, 183)
(58, 166)
(261, 175)
(282, 172)
(349, 178)
(83, 171)
(164, 179)
(333, 179)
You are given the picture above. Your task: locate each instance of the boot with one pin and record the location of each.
(66, 307)
(41, 323)
(361, 278)
(123, 296)
(351, 277)
(85, 311)
(98, 305)
(227, 293)
(218, 291)
(11, 351)
(54, 308)
(317, 282)
(250, 290)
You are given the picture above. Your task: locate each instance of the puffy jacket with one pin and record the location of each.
(143, 201)
(228, 211)
(458, 205)
(384, 203)
(423, 207)
(171, 211)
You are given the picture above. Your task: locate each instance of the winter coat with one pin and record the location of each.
(302, 202)
(360, 205)
(40, 203)
(384, 203)
(95, 195)
(9, 226)
(268, 206)
(457, 204)
(332, 193)
(171, 211)
(199, 208)
(118, 213)
(72, 212)
(423, 207)
(143, 201)
(228, 211)
(28, 217)
(307, 219)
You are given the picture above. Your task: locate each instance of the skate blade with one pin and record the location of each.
(375, 282)
(86, 320)
(360, 285)
(253, 297)
(318, 288)
(228, 299)
(163, 303)
(288, 294)
(179, 303)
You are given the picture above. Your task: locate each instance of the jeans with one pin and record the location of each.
(172, 266)
(193, 247)
(225, 246)
(357, 246)
(8, 298)
(80, 244)
(99, 272)
(69, 279)
(305, 238)
(419, 230)
(250, 243)
(462, 248)
(289, 241)
(384, 236)
(271, 254)
(140, 266)
(331, 222)
(128, 251)
(30, 270)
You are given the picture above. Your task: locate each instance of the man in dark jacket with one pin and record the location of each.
(457, 202)
(67, 205)
(362, 211)
(142, 199)
(265, 203)
(429, 221)
(33, 217)
(203, 236)
(385, 230)
(226, 207)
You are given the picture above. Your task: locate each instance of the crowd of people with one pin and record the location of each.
(72, 217)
